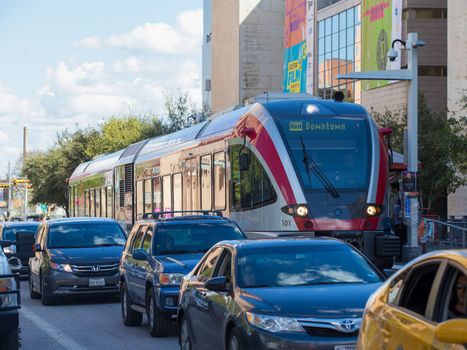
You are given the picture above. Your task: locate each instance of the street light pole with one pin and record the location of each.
(411, 249)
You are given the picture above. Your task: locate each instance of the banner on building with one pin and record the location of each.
(310, 39)
(381, 24)
(295, 46)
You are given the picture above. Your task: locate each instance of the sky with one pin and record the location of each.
(71, 64)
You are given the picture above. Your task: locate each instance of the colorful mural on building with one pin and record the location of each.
(295, 46)
(381, 24)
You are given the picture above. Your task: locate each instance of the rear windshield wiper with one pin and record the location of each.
(311, 165)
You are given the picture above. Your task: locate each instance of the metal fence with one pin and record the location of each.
(444, 234)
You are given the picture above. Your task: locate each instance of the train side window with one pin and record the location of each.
(139, 200)
(86, 202)
(177, 191)
(191, 184)
(251, 188)
(98, 201)
(219, 181)
(157, 194)
(206, 178)
(166, 193)
(92, 200)
(148, 196)
(103, 202)
(109, 202)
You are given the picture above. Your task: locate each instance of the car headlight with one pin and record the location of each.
(61, 267)
(7, 285)
(170, 279)
(274, 323)
(10, 250)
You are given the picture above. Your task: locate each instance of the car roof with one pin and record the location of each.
(20, 223)
(80, 220)
(457, 255)
(283, 242)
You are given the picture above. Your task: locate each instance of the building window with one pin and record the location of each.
(339, 52)
(424, 14)
(432, 71)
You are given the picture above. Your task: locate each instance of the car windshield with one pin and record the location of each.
(302, 265)
(192, 238)
(80, 235)
(9, 233)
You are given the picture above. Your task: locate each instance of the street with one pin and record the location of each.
(80, 324)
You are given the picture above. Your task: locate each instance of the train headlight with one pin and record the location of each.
(311, 109)
(302, 210)
(374, 209)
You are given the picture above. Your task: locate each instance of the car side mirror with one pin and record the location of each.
(244, 161)
(37, 248)
(452, 331)
(140, 254)
(216, 284)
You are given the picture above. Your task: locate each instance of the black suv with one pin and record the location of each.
(158, 253)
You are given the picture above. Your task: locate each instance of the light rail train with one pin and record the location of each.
(286, 166)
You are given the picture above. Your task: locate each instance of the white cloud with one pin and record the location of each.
(80, 94)
(183, 39)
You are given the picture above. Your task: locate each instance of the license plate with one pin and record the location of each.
(345, 347)
(97, 282)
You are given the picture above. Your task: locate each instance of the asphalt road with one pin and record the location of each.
(83, 324)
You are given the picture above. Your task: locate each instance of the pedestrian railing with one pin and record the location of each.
(444, 234)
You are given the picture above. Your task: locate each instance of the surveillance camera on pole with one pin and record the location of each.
(392, 55)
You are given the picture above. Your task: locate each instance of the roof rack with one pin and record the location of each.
(157, 215)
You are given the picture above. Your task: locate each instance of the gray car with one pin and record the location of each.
(276, 294)
(77, 256)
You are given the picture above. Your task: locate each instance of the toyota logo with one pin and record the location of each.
(348, 325)
(95, 268)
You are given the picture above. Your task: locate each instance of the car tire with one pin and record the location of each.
(184, 335)
(32, 294)
(131, 318)
(10, 341)
(46, 298)
(234, 341)
(159, 322)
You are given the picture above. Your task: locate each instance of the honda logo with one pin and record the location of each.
(95, 268)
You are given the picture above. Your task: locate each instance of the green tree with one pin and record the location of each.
(181, 111)
(442, 143)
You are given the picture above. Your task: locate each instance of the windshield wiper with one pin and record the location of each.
(108, 245)
(311, 165)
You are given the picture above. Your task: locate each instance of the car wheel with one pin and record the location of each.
(46, 298)
(184, 335)
(131, 318)
(234, 341)
(33, 294)
(159, 322)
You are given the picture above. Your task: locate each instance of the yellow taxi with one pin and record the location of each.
(422, 306)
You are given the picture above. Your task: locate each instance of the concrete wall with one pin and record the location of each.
(225, 54)
(457, 82)
(261, 46)
(391, 97)
(207, 51)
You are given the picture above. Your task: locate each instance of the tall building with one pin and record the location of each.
(340, 40)
(242, 51)
(457, 83)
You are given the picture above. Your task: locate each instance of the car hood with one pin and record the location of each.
(319, 301)
(179, 263)
(86, 255)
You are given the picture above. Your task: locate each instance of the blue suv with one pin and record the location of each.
(159, 252)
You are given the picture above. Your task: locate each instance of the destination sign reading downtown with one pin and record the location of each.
(308, 126)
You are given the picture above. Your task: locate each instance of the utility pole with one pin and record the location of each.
(9, 188)
(25, 153)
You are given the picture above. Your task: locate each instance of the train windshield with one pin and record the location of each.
(329, 153)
